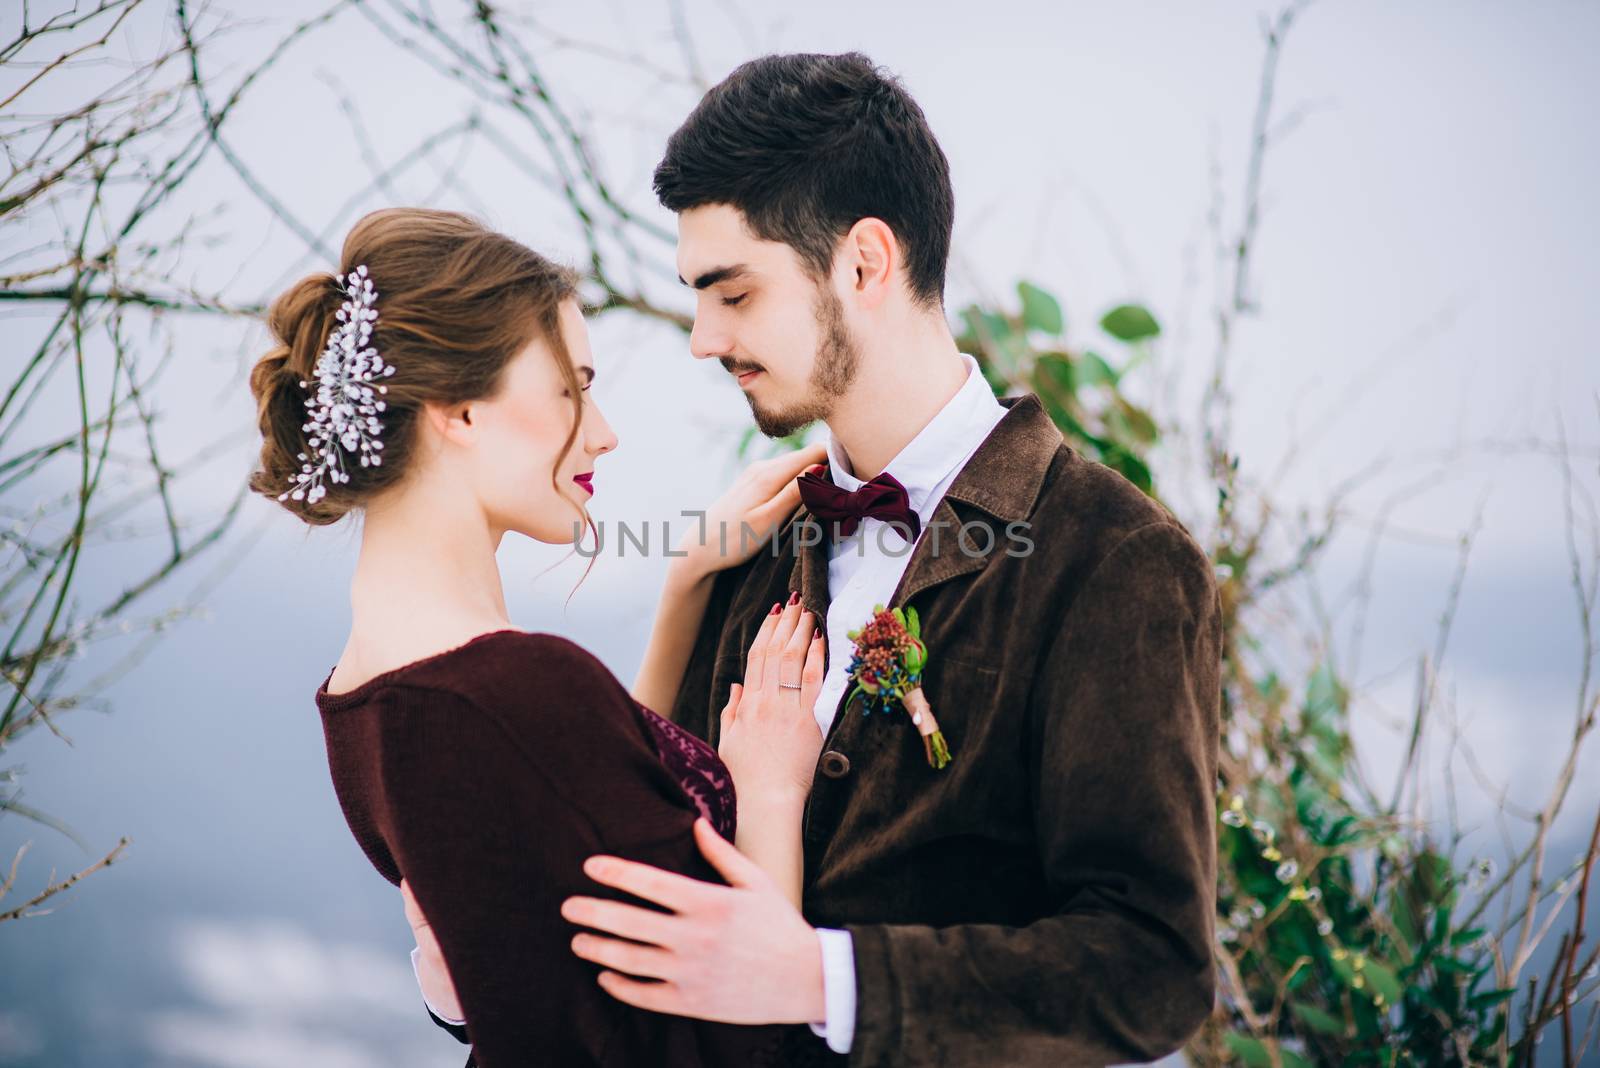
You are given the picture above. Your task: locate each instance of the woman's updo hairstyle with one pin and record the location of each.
(456, 301)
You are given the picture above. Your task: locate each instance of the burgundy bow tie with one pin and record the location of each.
(883, 498)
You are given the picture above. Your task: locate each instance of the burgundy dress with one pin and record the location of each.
(698, 769)
(485, 775)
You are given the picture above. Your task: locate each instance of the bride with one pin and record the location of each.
(437, 385)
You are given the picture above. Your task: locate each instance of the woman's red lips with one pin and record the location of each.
(586, 481)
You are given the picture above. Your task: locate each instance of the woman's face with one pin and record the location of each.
(519, 432)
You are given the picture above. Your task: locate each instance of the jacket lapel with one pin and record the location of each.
(809, 574)
(1002, 478)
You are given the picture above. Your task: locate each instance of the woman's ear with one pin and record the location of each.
(453, 423)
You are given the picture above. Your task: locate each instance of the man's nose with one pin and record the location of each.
(706, 342)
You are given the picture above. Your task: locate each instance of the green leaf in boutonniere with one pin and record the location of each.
(887, 667)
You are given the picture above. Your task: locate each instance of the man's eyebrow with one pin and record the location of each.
(718, 274)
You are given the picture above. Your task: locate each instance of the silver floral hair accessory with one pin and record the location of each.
(344, 408)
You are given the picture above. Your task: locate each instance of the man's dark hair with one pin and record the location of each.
(804, 146)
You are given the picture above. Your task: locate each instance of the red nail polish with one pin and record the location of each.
(794, 598)
(775, 607)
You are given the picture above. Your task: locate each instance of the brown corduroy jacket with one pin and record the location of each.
(1048, 897)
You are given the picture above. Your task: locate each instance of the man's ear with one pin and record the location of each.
(874, 260)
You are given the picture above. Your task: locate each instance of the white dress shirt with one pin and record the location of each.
(863, 571)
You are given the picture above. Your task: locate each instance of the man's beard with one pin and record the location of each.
(831, 372)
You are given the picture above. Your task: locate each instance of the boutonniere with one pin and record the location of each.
(887, 666)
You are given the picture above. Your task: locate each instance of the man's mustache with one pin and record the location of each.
(737, 368)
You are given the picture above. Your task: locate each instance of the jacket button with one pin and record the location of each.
(835, 765)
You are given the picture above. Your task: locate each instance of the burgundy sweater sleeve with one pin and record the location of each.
(494, 796)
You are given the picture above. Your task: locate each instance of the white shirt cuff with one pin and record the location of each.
(459, 1023)
(838, 989)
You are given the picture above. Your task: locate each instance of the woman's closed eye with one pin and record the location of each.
(587, 375)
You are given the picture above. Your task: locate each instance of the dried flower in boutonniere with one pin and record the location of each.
(887, 666)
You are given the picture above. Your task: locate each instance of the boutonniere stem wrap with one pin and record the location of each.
(887, 667)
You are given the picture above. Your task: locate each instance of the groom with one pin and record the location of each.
(1047, 898)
